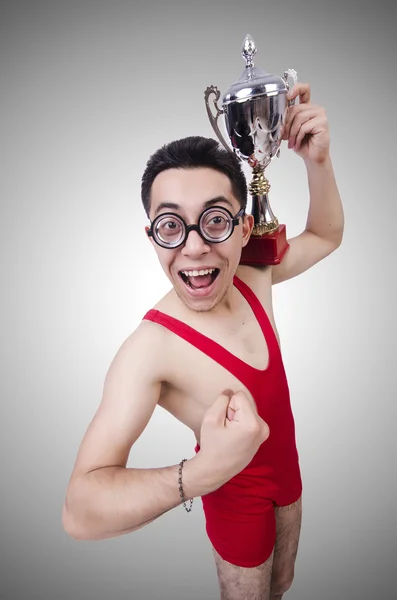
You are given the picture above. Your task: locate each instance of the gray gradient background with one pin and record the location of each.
(88, 91)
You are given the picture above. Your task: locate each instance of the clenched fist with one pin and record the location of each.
(231, 433)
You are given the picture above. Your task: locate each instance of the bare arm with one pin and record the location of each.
(104, 498)
(113, 501)
(324, 227)
(307, 132)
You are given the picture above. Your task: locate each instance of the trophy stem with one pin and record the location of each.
(268, 242)
(265, 220)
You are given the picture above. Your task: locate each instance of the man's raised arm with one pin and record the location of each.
(307, 132)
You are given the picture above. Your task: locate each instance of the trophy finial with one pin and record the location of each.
(249, 50)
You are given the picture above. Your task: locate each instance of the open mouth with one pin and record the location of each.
(200, 279)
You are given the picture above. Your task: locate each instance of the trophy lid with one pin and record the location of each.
(253, 81)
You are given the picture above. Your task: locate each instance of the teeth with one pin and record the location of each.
(197, 273)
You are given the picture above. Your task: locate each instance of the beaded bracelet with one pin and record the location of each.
(188, 509)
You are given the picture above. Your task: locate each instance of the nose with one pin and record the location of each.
(195, 245)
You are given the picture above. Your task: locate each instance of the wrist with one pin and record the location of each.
(324, 161)
(197, 479)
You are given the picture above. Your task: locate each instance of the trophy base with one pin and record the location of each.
(266, 249)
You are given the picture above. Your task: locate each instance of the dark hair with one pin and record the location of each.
(190, 153)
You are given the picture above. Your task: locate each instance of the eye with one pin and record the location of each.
(170, 225)
(169, 228)
(218, 220)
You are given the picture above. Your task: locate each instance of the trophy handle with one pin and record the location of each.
(214, 120)
(290, 73)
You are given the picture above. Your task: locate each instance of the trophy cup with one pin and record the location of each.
(254, 109)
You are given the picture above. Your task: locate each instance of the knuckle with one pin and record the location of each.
(256, 426)
(242, 396)
(253, 430)
(208, 419)
(264, 430)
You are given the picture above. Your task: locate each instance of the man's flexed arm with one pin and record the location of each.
(101, 499)
(104, 498)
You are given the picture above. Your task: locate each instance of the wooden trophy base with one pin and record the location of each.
(266, 249)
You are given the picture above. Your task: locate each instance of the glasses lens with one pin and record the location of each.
(169, 230)
(216, 224)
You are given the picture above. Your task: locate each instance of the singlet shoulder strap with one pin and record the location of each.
(260, 314)
(240, 369)
(218, 353)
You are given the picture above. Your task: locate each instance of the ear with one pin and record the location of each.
(248, 225)
(149, 237)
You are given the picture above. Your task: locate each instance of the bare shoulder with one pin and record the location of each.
(142, 354)
(131, 391)
(145, 345)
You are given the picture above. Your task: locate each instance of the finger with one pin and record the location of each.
(243, 406)
(293, 114)
(299, 119)
(227, 392)
(217, 412)
(298, 108)
(239, 398)
(230, 413)
(302, 90)
(311, 126)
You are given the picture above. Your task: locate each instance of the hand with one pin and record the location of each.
(231, 433)
(306, 126)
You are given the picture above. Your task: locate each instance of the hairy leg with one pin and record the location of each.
(241, 583)
(288, 526)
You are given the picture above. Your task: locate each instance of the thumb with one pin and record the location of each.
(217, 412)
(243, 406)
(241, 400)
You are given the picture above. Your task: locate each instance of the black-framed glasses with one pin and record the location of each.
(215, 224)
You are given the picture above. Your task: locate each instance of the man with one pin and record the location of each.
(208, 353)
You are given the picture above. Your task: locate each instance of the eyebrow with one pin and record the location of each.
(206, 204)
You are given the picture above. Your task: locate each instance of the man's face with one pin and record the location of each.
(187, 192)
